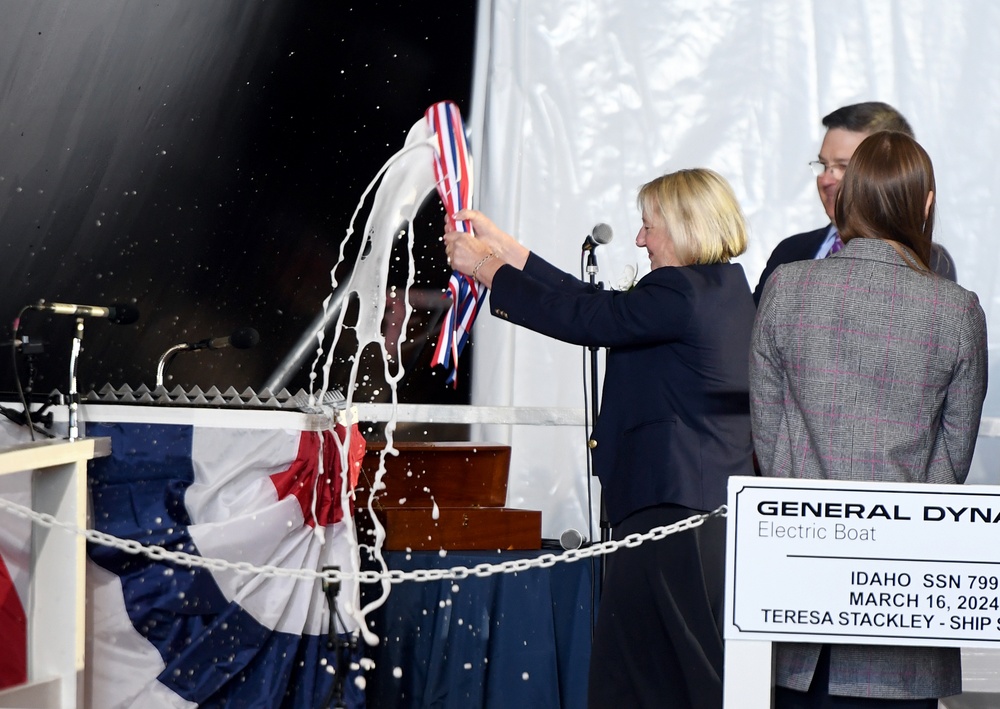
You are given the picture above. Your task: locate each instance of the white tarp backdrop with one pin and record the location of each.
(578, 102)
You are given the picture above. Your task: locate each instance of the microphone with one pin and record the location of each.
(571, 539)
(242, 339)
(600, 234)
(119, 313)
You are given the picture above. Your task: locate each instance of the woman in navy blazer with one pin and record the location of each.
(869, 366)
(674, 423)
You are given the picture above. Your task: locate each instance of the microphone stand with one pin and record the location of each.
(241, 339)
(345, 648)
(161, 366)
(605, 526)
(74, 396)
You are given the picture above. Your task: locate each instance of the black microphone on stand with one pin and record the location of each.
(242, 339)
(600, 234)
(120, 314)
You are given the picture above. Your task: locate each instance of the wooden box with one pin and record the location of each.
(449, 474)
(444, 496)
(456, 528)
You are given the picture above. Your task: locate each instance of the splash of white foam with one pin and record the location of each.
(407, 179)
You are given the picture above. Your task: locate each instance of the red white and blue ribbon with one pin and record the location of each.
(453, 173)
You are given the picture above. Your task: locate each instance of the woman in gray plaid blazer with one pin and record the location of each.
(867, 366)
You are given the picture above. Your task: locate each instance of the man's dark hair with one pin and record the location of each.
(868, 117)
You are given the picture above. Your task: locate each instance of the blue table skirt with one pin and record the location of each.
(509, 640)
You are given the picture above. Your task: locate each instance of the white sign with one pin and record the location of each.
(871, 563)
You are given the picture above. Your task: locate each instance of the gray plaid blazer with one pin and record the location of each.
(862, 368)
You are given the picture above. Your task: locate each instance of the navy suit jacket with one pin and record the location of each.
(803, 247)
(674, 421)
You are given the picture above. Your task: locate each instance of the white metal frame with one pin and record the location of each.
(56, 620)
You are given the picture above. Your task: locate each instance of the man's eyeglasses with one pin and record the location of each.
(820, 168)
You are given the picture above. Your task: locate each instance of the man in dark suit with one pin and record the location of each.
(845, 129)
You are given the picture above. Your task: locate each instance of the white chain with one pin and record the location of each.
(158, 553)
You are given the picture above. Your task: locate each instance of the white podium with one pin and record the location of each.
(56, 604)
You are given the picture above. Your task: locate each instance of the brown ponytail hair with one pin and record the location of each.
(884, 193)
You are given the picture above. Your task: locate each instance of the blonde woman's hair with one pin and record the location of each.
(700, 211)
